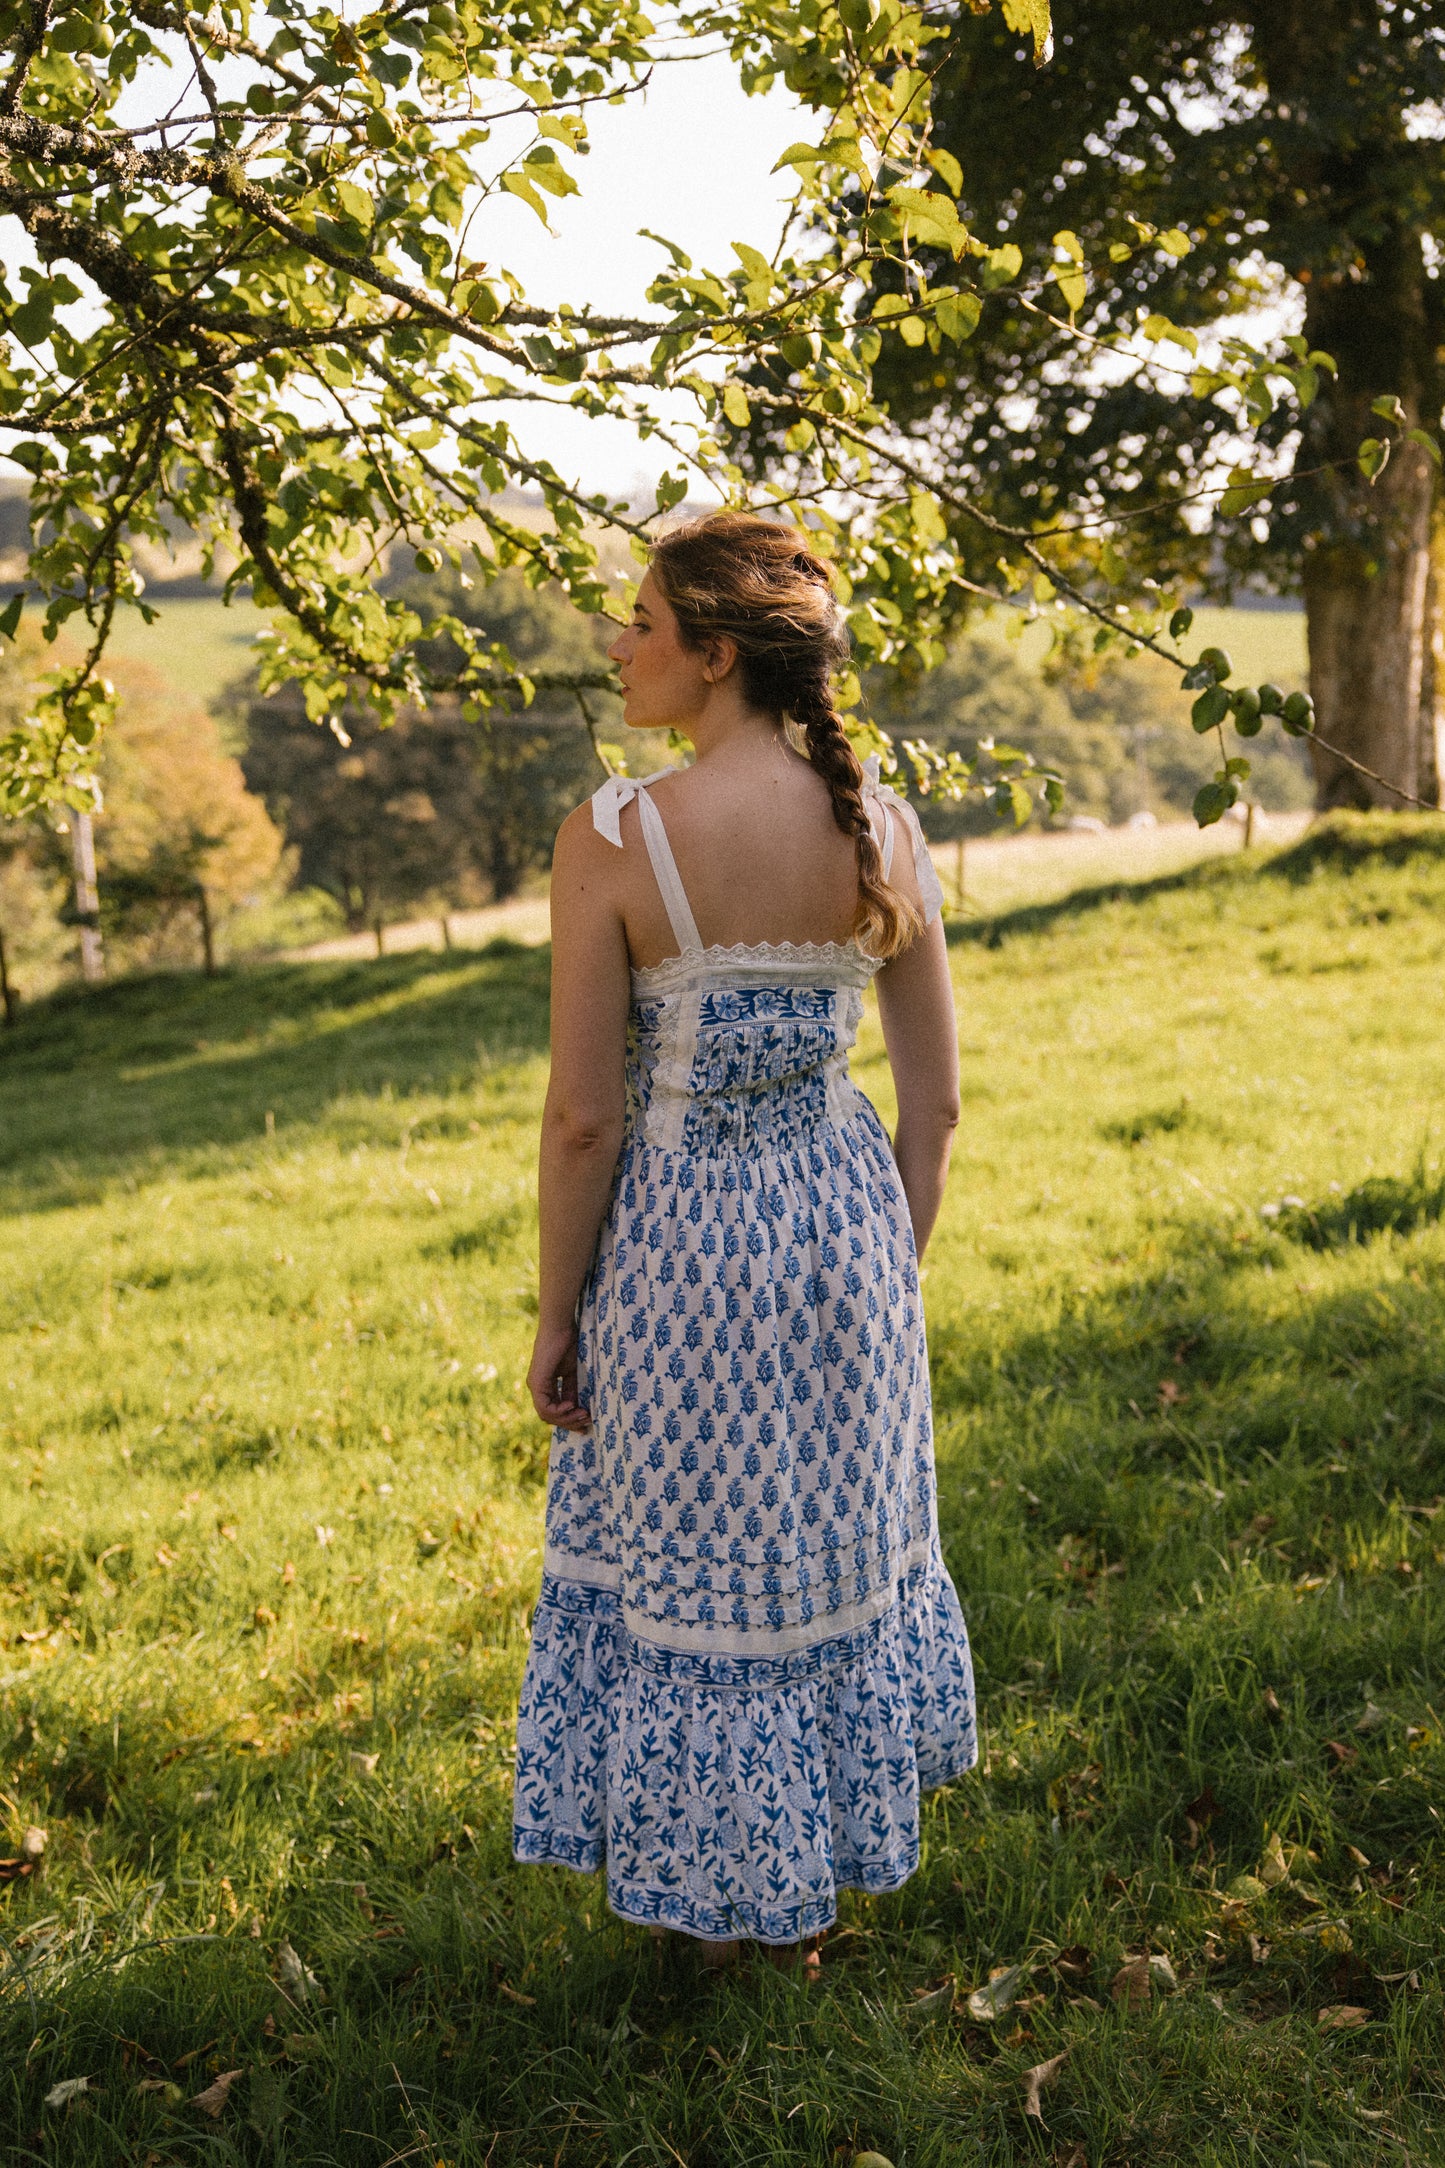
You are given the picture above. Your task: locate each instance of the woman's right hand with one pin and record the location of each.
(552, 1379)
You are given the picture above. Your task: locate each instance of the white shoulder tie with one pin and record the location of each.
(607, 806)
(889, 802)
(616, 794)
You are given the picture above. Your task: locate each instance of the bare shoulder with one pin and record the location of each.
(578, 845)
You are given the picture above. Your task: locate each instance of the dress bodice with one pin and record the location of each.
(744, 1049)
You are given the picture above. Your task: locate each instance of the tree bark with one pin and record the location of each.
(1367, 616)
(1367, 584)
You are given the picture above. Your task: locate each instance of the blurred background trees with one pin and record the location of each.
(436, 812)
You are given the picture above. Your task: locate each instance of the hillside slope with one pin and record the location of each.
(272, 1521)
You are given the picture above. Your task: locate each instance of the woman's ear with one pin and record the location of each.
(720, 658)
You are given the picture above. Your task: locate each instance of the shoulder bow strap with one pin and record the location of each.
(885, 796)
(616, 793)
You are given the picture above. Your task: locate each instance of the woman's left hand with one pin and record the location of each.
(552, 1379)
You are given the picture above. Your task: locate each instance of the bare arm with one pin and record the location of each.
(583, 1114)
(915, 1002)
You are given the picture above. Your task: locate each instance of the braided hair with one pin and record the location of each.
(756, 582)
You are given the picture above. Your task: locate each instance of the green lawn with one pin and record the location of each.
(271, 1526)
(198, 643)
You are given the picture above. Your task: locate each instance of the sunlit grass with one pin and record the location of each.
(271, 1531)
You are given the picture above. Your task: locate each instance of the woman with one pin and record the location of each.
(748, 1656)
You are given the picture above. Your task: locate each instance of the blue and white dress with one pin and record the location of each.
(748, 1657)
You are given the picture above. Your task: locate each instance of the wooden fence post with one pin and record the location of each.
(87, 898)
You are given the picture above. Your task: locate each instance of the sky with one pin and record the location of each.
(691, 158)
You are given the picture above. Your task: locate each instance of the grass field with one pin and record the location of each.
(270, 1529)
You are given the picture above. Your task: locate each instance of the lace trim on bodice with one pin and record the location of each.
(840, 962)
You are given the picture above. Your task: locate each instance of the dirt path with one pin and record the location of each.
(999, 874)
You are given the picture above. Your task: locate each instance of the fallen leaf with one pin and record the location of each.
(297, 1979)
(1076, 1962)
(1085, 2002)
(33, 1843)
(364, 1763)
(1200, 1813)
(183, 2062)
(1004, 1986)
(1137, 1978)
(1272, 1709)
(1372, 1718)
(213, 2099)
(871, 2160)
(1342, 2017)
(288, 1573)
(1041, 2075)
(1342, 1754)
(1273, 1867)
(1258, 1950)
(167, 2087)
(938, 2003)
(206, 1796)
(528, 2002)
(1074, 2158)
(1357, 1855)
(325, 1535)
(1171, 1392)
(67, 2089)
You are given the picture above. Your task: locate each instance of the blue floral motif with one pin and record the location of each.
(748, 1657)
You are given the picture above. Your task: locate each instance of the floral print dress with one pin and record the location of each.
(748, 1658)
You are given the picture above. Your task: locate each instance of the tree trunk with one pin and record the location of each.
(7, 991)
(1369, 632)
(1431, 785)
(1367, 585)
(208, 938)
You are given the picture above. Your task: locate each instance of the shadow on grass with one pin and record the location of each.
(92, 1082)
(1347, 843)
(1167, 1499)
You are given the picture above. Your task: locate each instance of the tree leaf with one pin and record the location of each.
(517, 184)
(805, 156)
(1245, 489)
(1001, 265)
(1372, 456)
(1032, 19)
(957, 315)
(356, 204)
(948, 169)
(735, 406)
